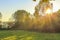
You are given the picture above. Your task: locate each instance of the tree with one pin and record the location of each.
(0, 20)
(21, 18)
(57, 25)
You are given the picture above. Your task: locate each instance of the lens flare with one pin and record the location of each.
(48, 11)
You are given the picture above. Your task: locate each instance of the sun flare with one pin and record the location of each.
(48, 11)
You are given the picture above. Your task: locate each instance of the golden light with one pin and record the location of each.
(48, 11)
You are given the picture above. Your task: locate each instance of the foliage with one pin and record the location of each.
(21, 18)
(0, 20)
(48, 23)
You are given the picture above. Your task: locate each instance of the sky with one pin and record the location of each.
(8, 7)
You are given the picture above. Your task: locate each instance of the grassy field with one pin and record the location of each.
(26, 35)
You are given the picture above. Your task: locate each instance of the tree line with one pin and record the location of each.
(25, 21)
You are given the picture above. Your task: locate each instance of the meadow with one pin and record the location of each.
(27, 35)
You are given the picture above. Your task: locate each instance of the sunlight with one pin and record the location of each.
(10, 38)
(48, 11)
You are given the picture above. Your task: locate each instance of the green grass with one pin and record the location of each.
(26, 35)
